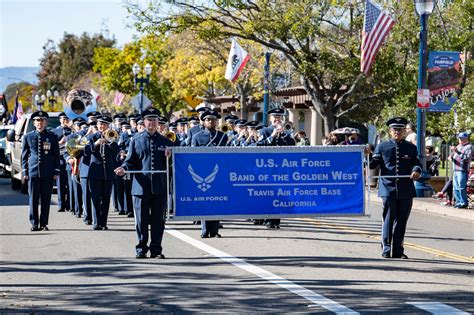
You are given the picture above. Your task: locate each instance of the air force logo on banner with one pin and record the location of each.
(203, 183)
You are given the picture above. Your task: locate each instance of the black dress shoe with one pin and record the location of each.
(204, 236)
(44, 228)
(130, 215)
(158, 256)
(402, 256)
(61, 210)
(105, 228)
(216, 235)
(88, 222)
(35, 228)
(386, 255)
(122, 213)
(140, 256)
(97, 228)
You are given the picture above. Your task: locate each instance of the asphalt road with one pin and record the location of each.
(330, 265)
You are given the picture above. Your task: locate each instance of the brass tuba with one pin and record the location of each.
(111, 135)
(78, 103)
(170, 135)
(225, 127)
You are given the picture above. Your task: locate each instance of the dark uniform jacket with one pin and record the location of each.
(40, 154)
(396, 158)
(101, 164)
(146, 152)
(189, 136)
(206, 138)
(282, 140)
(61, 132)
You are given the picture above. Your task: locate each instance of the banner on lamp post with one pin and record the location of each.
(444, 77)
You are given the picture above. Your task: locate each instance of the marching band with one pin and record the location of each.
(110, 158)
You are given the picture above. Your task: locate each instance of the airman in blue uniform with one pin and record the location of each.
(242, 133)
(40, 167)
(209, 137)
(275, 135)
(148, 151)
(101, 174)
(125, 200)
(62, 132)
(252, 134)
(196, 127)
(181, 130)
(396, 157)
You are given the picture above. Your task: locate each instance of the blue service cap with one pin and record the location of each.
(151, 113)
(276, 112)
(463, 135)
(397, 122)
(252, 124)
(231, 118)
(182, 121)
(210, 114)
(40, 115)
(104, 119)
(240, 122)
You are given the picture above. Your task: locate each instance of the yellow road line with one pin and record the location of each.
(421, 248)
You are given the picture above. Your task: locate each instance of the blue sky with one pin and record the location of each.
(26, 25)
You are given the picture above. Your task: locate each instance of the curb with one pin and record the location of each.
(430, 207)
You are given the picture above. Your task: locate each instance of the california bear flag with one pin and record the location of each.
(238, 58)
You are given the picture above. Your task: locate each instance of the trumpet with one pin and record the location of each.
(111, 135)
(170, 135)
(225, 127)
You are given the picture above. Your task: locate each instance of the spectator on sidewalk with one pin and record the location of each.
(461, 156)
(446, 192)
(410, 133)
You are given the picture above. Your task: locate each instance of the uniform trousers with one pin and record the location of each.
(115, 202)
(127, 189)
(395, 217)
(77, 196)
(209, 228)
(119, 183)
(149, 211)
(100, 193)
(40, 189)
(63, 189)
(86, 200)
(70, 183)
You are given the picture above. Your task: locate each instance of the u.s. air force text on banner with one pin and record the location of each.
(267, 182)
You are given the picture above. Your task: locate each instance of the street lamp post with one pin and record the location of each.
(141, 80)
(266, 87)
(39, 101)
(424, 9)
(52, 98)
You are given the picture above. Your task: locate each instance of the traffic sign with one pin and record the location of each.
(192, 100)
(423, 98)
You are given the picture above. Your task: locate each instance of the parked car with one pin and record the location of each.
(5, 150)
(15, 137)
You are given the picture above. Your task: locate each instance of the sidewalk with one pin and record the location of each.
(432, 206)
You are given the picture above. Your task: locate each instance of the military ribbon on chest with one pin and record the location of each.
(46, 146)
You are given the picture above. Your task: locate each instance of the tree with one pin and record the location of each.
(65, 63)
(321, 39)
(25, 91)
(115, 67)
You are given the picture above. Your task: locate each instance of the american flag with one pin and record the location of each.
(19, 110)
(377, 25)
(118, 99)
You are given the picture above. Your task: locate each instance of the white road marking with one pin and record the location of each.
(438, 308)
(309, 295)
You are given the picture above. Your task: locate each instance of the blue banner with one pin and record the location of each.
(267, 182)
(444, 77)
